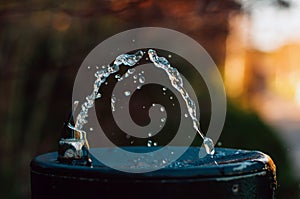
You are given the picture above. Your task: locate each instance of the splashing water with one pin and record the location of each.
(101, 75)
(131, 60)
(177, 83)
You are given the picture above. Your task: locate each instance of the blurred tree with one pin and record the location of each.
(41, 47)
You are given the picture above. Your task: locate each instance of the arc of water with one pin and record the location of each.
(131, 60)
(177, 83)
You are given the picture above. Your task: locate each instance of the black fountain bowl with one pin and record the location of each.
(237, 174)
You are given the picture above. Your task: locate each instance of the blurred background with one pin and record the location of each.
(255, 44)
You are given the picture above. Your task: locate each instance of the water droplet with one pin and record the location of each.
(149, 143)
(235, 188)
(131, 70)
(133, 40)
(98, 96)
(128, 136)
(143, 107)
(164, 162)
(117, 76)
(106, 83)
(97, 67)
(169, 56)
(209, 146)
(163, 119)
(132, 141)
(149, 134)
(172, 152)
(135, 77)
(186, 115)
(88, 67)
(171, 97)
(147, 58)
(113, 99)
(91, 129)
(139, 87)
(134, 81)
(219, 144)
(164, 93)
(164, 88)
(155, 144)
(162, 109)
(127, 93)
(153, 104)
(142, 79)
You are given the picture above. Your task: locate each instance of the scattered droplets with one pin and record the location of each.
(131, 60)
(142, 79)
(127, 93)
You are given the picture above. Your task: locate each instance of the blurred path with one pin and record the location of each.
(283, 116)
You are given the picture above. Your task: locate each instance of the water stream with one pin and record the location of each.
(131, 60)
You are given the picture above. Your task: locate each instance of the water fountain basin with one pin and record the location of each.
(237, 174)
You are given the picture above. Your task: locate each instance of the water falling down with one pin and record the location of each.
(131, 60)
(177, 83)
